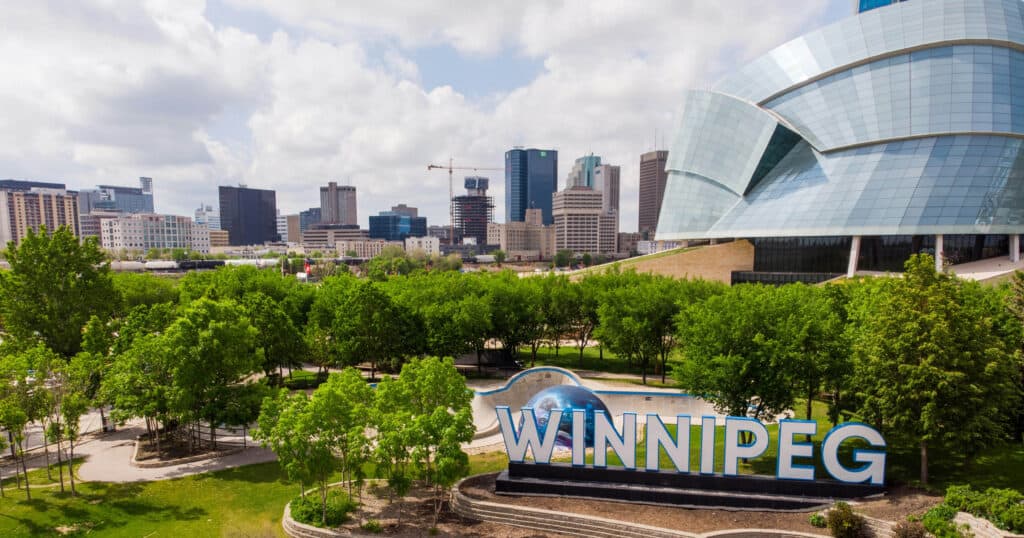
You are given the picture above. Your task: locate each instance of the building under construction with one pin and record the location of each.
(474, 210)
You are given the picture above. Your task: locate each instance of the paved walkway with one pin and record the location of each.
(107, 458)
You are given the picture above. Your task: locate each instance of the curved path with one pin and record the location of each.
(108, 459)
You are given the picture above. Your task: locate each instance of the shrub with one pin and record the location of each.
(909, 529)
(939, 522)
(843, 523)
(1000, 506)
(373, 526)
(818, 520)
(307, 509)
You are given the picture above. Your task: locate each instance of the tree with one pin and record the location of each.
(282, 344)
(370, 327)
(735, 353)
(499, 257)
(143, 289)
(55, 284)
(213, 347)
(289, 427)
(930, 369)
(563, 258)
(139, 383)
(342, 406)
(422, 418)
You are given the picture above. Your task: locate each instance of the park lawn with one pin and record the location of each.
(569, 357)
(245, 501)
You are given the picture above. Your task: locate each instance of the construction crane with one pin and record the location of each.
(451, 192)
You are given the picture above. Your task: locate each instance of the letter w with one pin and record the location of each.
(517, 443)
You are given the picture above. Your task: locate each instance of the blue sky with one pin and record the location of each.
(291, 94)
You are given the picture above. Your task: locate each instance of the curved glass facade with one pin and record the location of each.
(907, 25)
(907, 125)
(955, 89)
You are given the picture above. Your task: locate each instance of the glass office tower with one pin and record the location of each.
(531, 179)
(890, 132)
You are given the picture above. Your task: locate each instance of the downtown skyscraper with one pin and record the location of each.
(531, 179)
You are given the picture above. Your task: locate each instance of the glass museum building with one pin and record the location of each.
(895, 131)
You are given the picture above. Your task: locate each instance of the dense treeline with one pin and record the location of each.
(929, 359)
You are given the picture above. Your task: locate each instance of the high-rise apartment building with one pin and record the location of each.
(282, 226)
(294, 234)
(652, 191)
(248, 215)
(531, 179)
(338, 204)
(474, 210)
(26, 205)
(116, 198)
(581, 223)
(207, 216)
(582, 173)
(142, 232)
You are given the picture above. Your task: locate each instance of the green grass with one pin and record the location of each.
(569, 357)
(245, 501)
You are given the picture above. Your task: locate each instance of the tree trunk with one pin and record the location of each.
(924, 463)
(582, 345)
(810, 399)
(71, 467)
(533, 354)
(60, 466)
(213, 436)
(479, 362)
(558, 344)
(46, 454)
(2, 494)
(643, 369)
(157, 438)
(24, 471)
(323, 504)
(600, 351)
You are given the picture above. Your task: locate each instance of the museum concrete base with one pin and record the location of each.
(679, 489)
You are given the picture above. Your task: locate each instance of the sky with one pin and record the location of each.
(291, 94)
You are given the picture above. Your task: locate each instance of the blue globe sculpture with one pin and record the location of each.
(567, 398)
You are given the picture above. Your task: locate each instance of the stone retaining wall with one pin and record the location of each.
(982, 528)
(587, 526)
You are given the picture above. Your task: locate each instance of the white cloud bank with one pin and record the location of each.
(107, 90)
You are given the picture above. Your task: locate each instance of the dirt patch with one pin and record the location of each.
(895, 507)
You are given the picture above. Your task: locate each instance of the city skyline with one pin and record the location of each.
(202, 95)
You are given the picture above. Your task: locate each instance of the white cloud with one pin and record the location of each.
(110, 90)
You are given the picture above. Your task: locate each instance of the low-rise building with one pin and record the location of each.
(431, 246)
(145, 231)
(218, 238)
(529, 240)
(328, 235)
(364, 248)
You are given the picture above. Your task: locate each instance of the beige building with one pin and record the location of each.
(329, 236)
(218, 238)
(90, 225)
(581, 223)
(364, 248)
(26, 205)
(294, 233)
(144, 231)
(628, 243)
(529, 240)
(431, 246)
(338, 204)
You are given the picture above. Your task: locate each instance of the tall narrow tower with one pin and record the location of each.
(652, 191)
